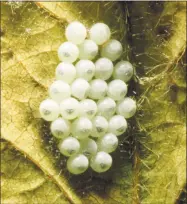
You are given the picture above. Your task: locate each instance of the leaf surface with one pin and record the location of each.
(23, 182)
(149, 166)
(161, 67)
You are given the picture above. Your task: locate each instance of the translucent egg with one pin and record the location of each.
(127, 107)
(69, 108)
(80, 88)
(77, 164)
(106, 107)
(101, 162)
(76, 32)
(100, 126)
(49, 110)
(117, 89)
(66, 72)
(123, 70)
(68, 52)
(117, 125)
(112, 50)
(60, 128)
(88, 147)
(85, 69)
(108, 143)
(103, 68)
(69, 146)
(100, 33)
(59, 90)
(88, 50)
(81, 128)
(98, 89)
(88, 108)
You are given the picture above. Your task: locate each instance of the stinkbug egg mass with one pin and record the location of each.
(87, 105)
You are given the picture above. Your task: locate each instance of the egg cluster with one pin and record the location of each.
(87, 113)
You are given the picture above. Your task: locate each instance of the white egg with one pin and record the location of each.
(80, 88)
(100, 126)
(101, 162)
(123, 70)
(127, 107)
(85, 69)
(88, 108)
(112, 50)
(77, 164)
(103, 68)
(108, 143)
(76, 32)
(60, 128)
(59, 90)
(106, 107)
(100, 33)
(70, 108)
(68, 52)
(88, 50)
(69, 146)
(49, 110)
(117, 89)
(66, 72)
(88, 147)
(98, 89)
(81, 128)
(117, 125)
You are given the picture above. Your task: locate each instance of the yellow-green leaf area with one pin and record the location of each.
(23, 182)
(149, 165)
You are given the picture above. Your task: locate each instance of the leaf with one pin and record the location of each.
(162, 151)
(149, 166)
(23, 182)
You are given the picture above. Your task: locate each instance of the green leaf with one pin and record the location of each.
(23, 182)
(149, 167)
(161, 153)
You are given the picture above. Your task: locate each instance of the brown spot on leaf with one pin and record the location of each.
(164, 31)
(1, 32)
(173, 89)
